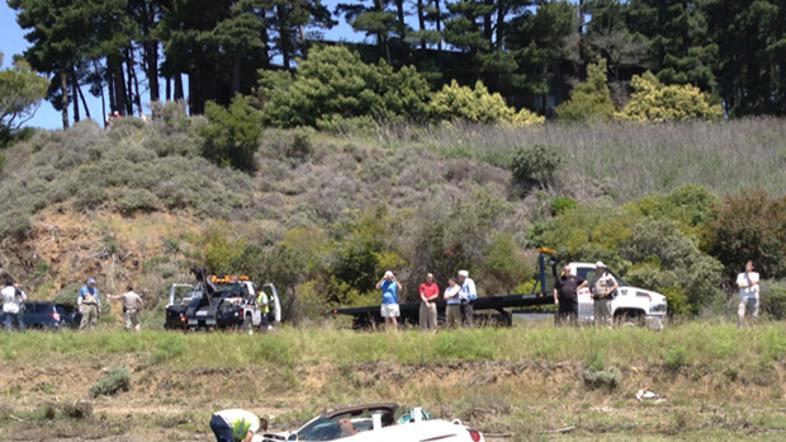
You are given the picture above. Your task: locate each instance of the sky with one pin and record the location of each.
(12, 42)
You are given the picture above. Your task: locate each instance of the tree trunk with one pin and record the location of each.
(421, 24)
(168, 88)
(178, 86)
(130, 86)
(75, 98)
(402, 24)
(84, 102)
(438, 23)
(284, 37)
(64, 102)
(151, 54)
(121, 103)
(502, 11)
(488, 25)
(110, 82)
(235, 77)
(132, 75)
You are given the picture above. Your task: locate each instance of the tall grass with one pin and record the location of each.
(628, 160)
(698, 343)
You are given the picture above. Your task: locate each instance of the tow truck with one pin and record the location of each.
(219, 302)
(631, 305)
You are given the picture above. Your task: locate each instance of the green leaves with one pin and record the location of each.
(232, 135)
(589, 100)
(21, 90)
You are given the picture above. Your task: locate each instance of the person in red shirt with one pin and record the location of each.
(429, 293)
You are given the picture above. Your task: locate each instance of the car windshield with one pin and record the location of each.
(330, 428)
(588, 274)
(36, 307)
(234, 289)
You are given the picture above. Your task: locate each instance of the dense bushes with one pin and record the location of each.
(750, 225)
(232, 134)
(477, 105)
(590, 99)
(535, 166)
(333, 89)
(651, 243)
(653, 101)
(333, 82)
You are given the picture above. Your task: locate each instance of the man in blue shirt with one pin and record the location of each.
(390, 310)
(468, 295)
(89, 302)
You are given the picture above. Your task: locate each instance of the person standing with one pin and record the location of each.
(235, 425)
(748, 283)
(89, 302)
(429, 293)
(390, 309)
(468, 295)
(132, 305)
(566, 297)
(263, 304)
(13, 305)
(604, 288)
(453, 300)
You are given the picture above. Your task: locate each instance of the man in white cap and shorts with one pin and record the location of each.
(604, 286)
(389, 309)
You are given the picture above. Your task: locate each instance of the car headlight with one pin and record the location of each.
(659, 308)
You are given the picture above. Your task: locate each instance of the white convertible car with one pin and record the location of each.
(377, 423)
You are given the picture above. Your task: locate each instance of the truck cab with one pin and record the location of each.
(630, 305)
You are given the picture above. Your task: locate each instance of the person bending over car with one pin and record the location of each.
(236, 425)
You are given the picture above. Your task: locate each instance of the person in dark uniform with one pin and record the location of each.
(566, 297)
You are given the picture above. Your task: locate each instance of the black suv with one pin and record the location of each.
(48, 316)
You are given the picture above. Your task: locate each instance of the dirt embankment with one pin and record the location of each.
(66, 246)
(514, 400)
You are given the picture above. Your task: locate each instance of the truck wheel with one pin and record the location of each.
(248, 323)
(630, 319)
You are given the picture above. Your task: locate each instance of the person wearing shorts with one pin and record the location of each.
(748, 283)
(453, 300)
(389, 309)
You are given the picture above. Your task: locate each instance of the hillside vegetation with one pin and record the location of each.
(323, 213)
(514, 384)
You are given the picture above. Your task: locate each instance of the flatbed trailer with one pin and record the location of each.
(489, 310)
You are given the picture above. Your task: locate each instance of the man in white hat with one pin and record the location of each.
(237, 425)
(604, 286)
(390, 309)
(468, 295)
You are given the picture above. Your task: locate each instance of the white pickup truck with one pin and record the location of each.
(631, 305)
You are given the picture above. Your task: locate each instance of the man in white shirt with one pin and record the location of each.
(236, 425)
(468, 296)
(748, 283)
(13, 299)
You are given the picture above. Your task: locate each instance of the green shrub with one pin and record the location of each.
(677, 298)
(562, 204)
(590, 99)
(535, 165)
(655, 102)
(749, 226)
(602, 379)
(232, 134)
(338, 124)
(334, 84)
(773, 298)
(476, 105)
(117, 380)
(675, 357)
(135, 200)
